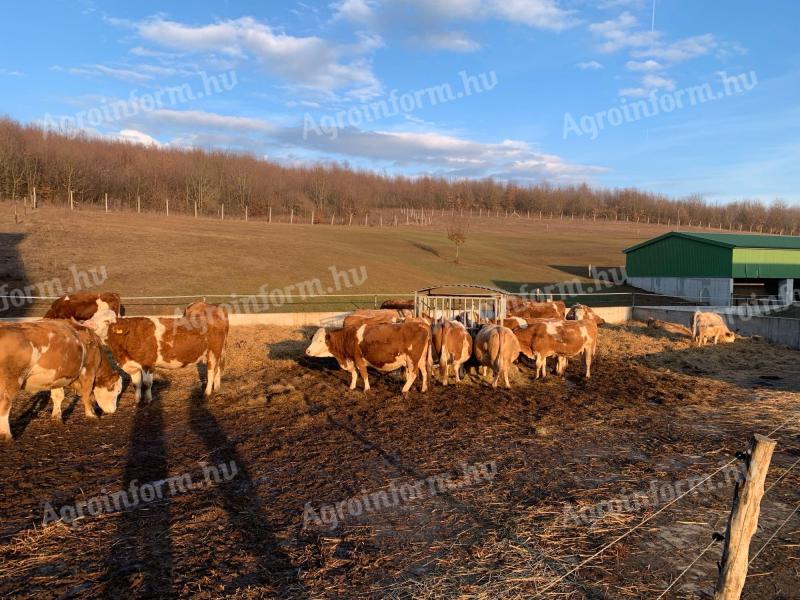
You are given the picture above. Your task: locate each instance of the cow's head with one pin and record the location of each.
(107, 384)
(100, 322)
(577, 313)
(319, 345)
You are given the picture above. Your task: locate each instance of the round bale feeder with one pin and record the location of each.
(472, 304)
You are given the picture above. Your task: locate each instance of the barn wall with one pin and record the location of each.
(713, 290)
(679, 257)
(766, 263)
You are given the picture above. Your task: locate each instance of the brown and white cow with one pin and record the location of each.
(517, 307)
(496, 347)
(562, 339)
(588, 313)
(82, 306)
(141, 344)
(710, 326)
(372, 316)
(50, 355)
(452, 345)
(383, 346)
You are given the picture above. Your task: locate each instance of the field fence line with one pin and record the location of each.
(655, 514)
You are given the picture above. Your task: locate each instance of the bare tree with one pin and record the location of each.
(457, 233)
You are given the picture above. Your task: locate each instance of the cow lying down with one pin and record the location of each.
(50, 355)
(710, 326)
(383, 346)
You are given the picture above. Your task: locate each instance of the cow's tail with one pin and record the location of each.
(497, 363)
(695, 324)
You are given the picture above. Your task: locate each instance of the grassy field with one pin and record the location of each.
(151, 255)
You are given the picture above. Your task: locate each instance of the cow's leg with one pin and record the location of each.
(57, 397)
(411, 376)
(561, 366)
(496, 377)
(587, 359)
(211, 368)
(443, 366)
(505, 376)
(362, 369)
(147, 379)
(218, 375)
(423, 368)
(457, 371)
(353, 377)
(6, 396)
(541, 366)
(136, 379)
(86, 398)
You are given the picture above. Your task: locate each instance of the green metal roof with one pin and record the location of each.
(730, 240)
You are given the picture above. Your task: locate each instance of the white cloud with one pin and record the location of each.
(137, 137)
(647, 65)
(541, 14)
(11, 72)
(357, 11)
(455, 41)
(680, 50)
(591, 65)
(309, 62)
(619, 33)
(417, 151)
(123, 74)
(658, 82)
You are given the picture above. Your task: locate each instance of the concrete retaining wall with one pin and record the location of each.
(776, 330)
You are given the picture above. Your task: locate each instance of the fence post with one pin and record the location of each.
(744, 519)
(245, 213)
(71, 203)
(34, 197)
(106, 201)
(138, 204)
(333, 216)
(269, 219)
(366, 218)
(222, 211)
(195, 209)
(167, 206)
(291, 216)
(312, 217)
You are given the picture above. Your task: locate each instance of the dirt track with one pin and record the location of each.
(654, 410)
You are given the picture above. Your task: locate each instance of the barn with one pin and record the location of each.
(717, 268)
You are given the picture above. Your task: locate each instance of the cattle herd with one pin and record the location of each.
(84, 340)
(392, 338)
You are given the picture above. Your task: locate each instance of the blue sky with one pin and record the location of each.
(616, 93)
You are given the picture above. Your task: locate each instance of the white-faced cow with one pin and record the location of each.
(50, 355)
(452, 345)
(710, 326)
(562, 339)
(496, 347)
(82, 306)
(587, 313)
(141, 344)
(383, 346)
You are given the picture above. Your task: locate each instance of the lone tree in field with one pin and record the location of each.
(457, 233)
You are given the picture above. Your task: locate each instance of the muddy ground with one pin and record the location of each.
(655, 410)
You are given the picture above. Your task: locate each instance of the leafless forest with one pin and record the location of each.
(90, 168)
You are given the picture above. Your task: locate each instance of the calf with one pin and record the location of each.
(452, 344)
(496, 347)
(710, 326)
(587, 313)
(384, 346)
(562, 339)
(669, 327)
(50, 355)
(82, 306)
(140, 344)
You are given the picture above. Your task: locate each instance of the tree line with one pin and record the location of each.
(90, 167)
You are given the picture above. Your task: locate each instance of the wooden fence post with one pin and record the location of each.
(222, 211)
(138, 204)
(743, 520)
(291, 216)
(34, 197)
(245, 213)
(106, 202)
(71, 203)
(195, 209)
(167, 206)
(312, 217)
(269, 219)
(366, 220)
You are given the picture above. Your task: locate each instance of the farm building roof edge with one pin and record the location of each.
(729, 240)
